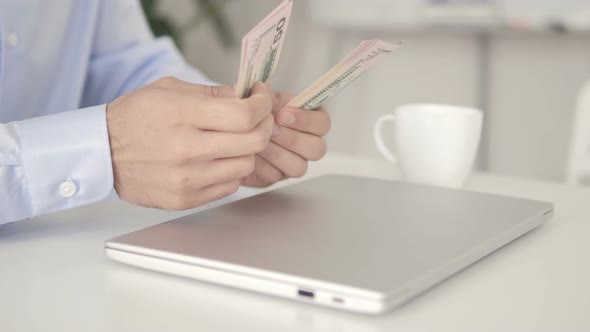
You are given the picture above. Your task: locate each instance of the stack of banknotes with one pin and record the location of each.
(261, 50)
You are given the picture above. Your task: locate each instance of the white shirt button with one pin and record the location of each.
(12, 39)
(67, 188)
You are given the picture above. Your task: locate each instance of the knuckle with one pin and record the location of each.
(249, 164)
(213, 91)
(181, 154)
(232, 187)
(206, 152)
(242, 167)
(298, 169)
(250, 120)
(273, 177)
(179, 183)
(226, 189)
(245, 118)
(174, 119)
(265, 182)
(301, 169)
(260, 141)
(320, 150)
(166, 81)
(328, 126)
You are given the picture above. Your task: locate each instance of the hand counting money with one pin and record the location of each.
(344, 73)
(261, 48)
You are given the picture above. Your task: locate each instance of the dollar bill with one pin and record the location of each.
(261, 48)
(342, 74)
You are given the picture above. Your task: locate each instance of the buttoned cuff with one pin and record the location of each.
(67, 159)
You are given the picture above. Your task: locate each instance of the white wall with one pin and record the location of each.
(532, 87)
(535, 81)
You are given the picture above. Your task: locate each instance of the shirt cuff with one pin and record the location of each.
(67, 159)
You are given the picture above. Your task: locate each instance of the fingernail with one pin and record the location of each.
(275, 130)
(286, 118)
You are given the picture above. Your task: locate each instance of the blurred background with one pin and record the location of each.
(524, 62)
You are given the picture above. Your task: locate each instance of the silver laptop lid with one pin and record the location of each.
(365, 234)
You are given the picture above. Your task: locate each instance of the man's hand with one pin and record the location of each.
(177, 145)
(296, 140)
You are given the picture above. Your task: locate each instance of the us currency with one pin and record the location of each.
(342, 74)
(261, 48)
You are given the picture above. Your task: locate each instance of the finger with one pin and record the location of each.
(308, 146)
(192, 178)
(280, 100)
(216, 108)
(217, 191)
(206, 195)
(223, 145)
(227, 169)
(284, 160)
(228, 114)
(264, 174)
(173, 83)
(222, 91)
(315, 122)
(261, 96)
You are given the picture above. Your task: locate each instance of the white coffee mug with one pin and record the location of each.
(433, 144)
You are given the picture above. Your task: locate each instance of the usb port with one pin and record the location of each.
(305, 293)
(338, 300)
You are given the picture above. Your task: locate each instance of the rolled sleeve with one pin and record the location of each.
(66, 157)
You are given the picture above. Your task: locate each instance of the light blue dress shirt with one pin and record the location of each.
(60, 63)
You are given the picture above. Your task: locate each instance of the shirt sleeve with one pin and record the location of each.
(54, 162)
(126, 56)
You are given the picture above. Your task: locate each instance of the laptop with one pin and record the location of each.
(351, 243)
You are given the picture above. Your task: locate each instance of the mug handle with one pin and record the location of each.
(378, 136)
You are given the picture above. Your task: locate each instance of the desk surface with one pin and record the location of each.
(54, 276)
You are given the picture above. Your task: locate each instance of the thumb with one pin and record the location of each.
(207, 90)
(219, 91)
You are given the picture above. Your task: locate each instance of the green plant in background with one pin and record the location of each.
(206, 10)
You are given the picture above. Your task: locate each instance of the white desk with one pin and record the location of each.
(54, 277)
